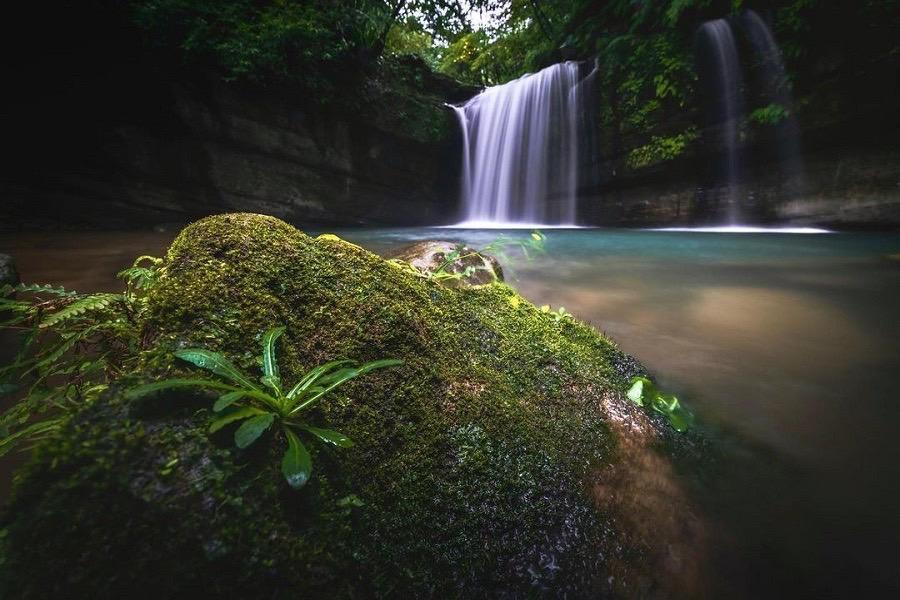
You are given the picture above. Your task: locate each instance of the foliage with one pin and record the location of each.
(661, 149)
(559, 315)
(769, 115)
(408, 37)
(643, 392)
(522, 33)
(317, 44)
(258, 407)
(311, 43)
(74, 346)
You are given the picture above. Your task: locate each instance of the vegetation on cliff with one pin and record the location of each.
(502, 456)
(644, 52)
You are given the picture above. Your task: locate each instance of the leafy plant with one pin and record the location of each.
(257, 407)
(643, 392)
(769, 115)
(558, 315)
(74, 345)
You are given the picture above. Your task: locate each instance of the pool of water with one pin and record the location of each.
(785, 345)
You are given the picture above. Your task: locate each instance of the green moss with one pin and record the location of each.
(470, 463)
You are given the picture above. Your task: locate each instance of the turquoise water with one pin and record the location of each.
(791, 344)
(786, 346)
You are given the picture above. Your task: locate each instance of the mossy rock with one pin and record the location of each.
(501, 459)
(430, 256)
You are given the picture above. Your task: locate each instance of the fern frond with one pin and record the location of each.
(40, 428)
(94, 302)
(44, 289)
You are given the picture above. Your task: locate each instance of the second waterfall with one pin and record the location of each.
(521, 150)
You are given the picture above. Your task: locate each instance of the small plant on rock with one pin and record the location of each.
(259, 407)
(558, 315)
(643, 392)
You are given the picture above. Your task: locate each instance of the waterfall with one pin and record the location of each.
(721, 83)
(722, 93)
(776, 89)
(521, 150)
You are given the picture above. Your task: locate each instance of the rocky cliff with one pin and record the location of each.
(187, 147)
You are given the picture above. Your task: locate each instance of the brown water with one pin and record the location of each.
(790, 343)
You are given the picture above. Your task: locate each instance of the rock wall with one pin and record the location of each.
(206, 146)
(857, 188)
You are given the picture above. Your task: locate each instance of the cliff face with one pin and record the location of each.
(832, 159)
(856, 188)
(200, 147)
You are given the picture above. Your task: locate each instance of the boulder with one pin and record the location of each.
(501, 459)
(430, 255)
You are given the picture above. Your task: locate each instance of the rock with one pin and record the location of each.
(8, 273)
(501, 459)
(429, 255)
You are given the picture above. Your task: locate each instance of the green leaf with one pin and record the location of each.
(216, 363)
(44, 289)
(226, 400)
(89, 303)
(379, 364)
(7, 388)
(642, 391)
(665, 403)
(33, 430)
(169, 384)
(252, 428)
(636, 392)
(296, 465)
(330, 436)
(340, 375)
(232, 414)
(314, 375)
(351, 500)
(679, 417)
(681, 420)
(346, 375)
(270, 364)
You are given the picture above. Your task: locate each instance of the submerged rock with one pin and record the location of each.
(431, 255)
(501, 459)
(8, 273)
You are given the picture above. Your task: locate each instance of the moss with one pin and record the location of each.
(471, 473)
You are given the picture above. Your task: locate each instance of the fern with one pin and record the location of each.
(75, 346)
(94, 302)
(44, 289)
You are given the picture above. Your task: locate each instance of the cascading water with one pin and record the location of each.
(521, 150)
(720, 78)
(723, 93)
(776, 89)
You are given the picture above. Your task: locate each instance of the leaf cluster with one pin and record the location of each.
(258, 406)
(558, 315)
(73, 346)
(644, 392)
